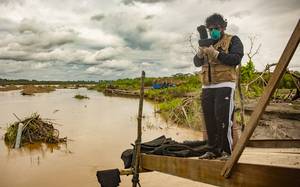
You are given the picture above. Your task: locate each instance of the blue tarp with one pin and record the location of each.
(162, 85)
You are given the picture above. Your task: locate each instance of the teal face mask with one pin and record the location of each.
(215, 34)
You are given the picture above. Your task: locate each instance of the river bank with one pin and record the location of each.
(278, 121)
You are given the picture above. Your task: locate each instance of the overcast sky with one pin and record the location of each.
(110, 39)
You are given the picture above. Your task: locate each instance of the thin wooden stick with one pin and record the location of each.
(241, 96)
(17, 117)
(191, 44)
(135, 178)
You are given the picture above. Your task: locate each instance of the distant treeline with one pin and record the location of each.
(36, 82)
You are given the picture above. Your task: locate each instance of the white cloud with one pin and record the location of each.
(40, 65)
(92, 70)
(109, 53)
(117, 64)
(116, 39)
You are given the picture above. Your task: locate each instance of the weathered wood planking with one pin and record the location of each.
(274, 143)
(208, 171)
(264, 100)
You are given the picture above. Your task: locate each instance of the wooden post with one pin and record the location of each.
(264, 100)
(135, 178)
(19, 135)
(241, 96)
(19, 132)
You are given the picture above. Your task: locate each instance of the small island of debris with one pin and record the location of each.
(78, 96)
(34, 129)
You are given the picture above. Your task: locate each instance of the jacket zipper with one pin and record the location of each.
(209, 73)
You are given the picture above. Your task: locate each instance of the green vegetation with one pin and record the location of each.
(248, 72)
(182, 111)
(172, 103)
(124, 84)
(287, 82)
(10, 135)
(253, 82)
(183, 84)
(80, 97)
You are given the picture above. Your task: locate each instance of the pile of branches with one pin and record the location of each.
(35, 129)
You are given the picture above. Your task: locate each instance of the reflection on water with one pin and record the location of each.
(98, 129)
(37, 151)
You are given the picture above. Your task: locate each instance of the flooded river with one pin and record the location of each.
(99, 129)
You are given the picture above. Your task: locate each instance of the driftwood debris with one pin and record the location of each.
(120, 92)
(34, 129)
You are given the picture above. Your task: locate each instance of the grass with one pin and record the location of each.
(11, 133)
(80, 97)
(170, 105)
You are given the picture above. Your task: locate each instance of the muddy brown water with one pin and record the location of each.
(99, 130)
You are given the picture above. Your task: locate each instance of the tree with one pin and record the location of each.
(248, 71)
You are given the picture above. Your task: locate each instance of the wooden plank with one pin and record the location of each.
(285, 112)
(19, 134)
(130, 172)
(208, 171)
(274, 143)
(264, 100)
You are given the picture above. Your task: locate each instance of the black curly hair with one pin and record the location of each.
(216, 19)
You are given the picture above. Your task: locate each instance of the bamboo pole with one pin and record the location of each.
(135, 178)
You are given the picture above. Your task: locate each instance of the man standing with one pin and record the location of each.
(218, 76)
